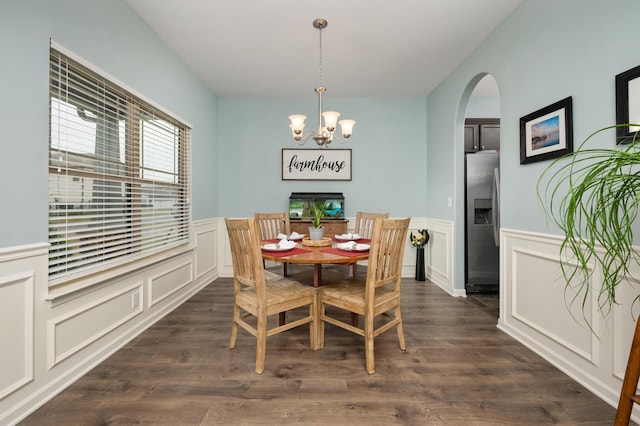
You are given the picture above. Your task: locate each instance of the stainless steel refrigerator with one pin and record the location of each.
(482, 221)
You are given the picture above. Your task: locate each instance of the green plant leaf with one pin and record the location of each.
(592, 196)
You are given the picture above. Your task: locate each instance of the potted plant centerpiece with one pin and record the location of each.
(316, 232)
(592, 195)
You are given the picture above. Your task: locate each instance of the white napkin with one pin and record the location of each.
(296, 236)
(351, 245)
(284, 243)
(281, 236)
(362, 247)
(348, 236)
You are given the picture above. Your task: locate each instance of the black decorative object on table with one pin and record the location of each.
(419, 239)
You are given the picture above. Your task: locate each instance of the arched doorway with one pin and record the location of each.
(481, 187)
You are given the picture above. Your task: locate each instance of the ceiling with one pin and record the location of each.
(370, 48)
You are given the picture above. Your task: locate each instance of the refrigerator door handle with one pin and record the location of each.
(495, 206)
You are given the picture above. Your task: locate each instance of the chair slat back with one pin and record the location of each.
(364, 223)
(272, 224)
(244, 240)
(386, 252)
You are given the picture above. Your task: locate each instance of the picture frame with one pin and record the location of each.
(547, 133)
(316, 164)
(627, 105)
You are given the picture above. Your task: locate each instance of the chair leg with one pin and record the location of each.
(630, 383)
(354, 269)
(320, 326)
(400, 329)
(368, 344)
(313, 326)
(234, 327)
(261, 342)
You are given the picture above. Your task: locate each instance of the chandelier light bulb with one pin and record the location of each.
(330, 120)
(347, 127)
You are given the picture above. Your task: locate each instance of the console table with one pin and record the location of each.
(331, 226)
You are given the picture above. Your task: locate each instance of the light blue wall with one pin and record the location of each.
(545, 51)
(111, 36)
(483, 107)
(388, 154)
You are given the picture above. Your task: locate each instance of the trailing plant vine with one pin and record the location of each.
(592, 196)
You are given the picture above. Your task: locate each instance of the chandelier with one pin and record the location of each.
(325, 134)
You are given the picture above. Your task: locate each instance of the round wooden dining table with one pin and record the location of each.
(316, 256)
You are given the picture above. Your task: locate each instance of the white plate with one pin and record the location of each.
(273, 247)
(357, 247)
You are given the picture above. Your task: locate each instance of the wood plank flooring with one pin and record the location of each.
(459, 369)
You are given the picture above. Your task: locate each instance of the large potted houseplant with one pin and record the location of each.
(316, 232)
(592, 195)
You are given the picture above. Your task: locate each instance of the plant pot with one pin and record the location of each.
(316, 234)
(420, 264)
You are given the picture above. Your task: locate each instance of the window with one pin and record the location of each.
(119, 172)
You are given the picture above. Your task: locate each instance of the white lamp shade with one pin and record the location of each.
(347, 127)
(297, 123)
(330, 119)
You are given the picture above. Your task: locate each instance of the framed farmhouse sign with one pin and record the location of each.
(316, 164)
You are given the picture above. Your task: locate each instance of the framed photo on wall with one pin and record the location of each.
(627, 105)
(316, 164)
(547, 133)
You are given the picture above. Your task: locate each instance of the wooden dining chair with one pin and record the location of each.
(272, 224)
(377, 294)
(260, 294)
(364, 223)
(364, 227)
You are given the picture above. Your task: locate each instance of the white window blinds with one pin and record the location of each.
(119, 174)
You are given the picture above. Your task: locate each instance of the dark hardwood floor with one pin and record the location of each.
(459, 369)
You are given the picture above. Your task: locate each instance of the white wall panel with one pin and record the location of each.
(16, 331)
(206, 235)
(169, 281)
(79, 328)
(539, 300)
(440, 249)
(623, 323)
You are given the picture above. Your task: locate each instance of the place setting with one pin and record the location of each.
(349, 248)
(284, 245)
(350, 237)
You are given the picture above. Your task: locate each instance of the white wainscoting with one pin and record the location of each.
(536, 310)
(440, 255)
(50, 342)
(17, 289)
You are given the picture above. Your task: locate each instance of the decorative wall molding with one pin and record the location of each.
(205, 260)
(16, 305)
(440, 255)
(534, 312)
(169, 280)
(79, 328)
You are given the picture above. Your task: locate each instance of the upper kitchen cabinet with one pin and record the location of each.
(481, 134)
